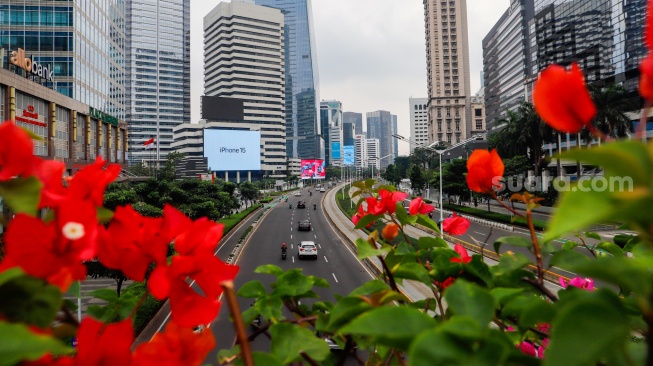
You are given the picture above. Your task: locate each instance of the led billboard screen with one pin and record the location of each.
(335, 150)
(229, 150)
(349, 155)
(313, 168)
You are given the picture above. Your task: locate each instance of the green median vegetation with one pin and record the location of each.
(495, 216)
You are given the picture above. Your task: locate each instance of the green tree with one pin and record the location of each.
(612, 103)
(248, 192)
(455, 181)
(168, 170)
(426, 158)
(417, 179)
(391, 174)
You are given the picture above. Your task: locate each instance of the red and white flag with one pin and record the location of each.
(149, 144)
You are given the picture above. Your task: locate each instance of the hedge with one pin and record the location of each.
(495, 216)
(148, 308)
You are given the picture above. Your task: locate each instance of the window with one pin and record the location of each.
(478, 112)
(479, 124)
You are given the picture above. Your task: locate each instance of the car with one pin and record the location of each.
(297, 194)
(307, 249)
(301, 204)
(322, 190)
(304, 225)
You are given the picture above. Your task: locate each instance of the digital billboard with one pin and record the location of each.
(229, 150)
(349, 155)
(335, 150)
(313, 168)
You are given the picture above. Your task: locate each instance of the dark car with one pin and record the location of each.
(301, 204)
(304, 225)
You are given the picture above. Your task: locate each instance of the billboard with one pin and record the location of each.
(349, 155)
(313, 168)
(335, 150)
(229, 150)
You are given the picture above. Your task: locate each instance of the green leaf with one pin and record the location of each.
(367, 220)
(104, 215)
(403, 216)
(32, 135)
(344, 311)
(427, 242)
(577, 210)
(413, 271)
(510, 262)
(290, 340)
(517, 241)
(252, 290)
(75, 289)
(579, 335)
(29, 300)
(270, 307)
(471, 300)
(365, 250)
(392, 326)
(227, 354)
(104, 294)
(269, 269)
(504, 295)
(631, 275)
(369, 183)
(262, 358)
(18, 343)
(479, 270)
(566, 259)
(10, 274)
(319, 282)
(611, 248)
(569, 245)
(22, 194)
(370, 287)
(592, 235)
(425, 221)
(293, 283)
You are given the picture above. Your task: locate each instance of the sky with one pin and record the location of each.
(371, 54)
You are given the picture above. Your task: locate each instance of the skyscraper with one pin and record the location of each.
(356, 119)
(158, 73)
(304, 135)
(447, 63)
(380, 126)
(332, 127)
(235, 29)
(418, 122)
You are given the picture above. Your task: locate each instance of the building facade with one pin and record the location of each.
(360, 151)
(478, 113)
(506, 62)
(244, 59)
(447, 65)
(355, 119)
(304, 137)
(419, 122)
(380, 126)
(331, 119)
(78, 45)
(372, 154)
(157, 73)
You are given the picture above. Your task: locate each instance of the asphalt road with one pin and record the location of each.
(335, 263)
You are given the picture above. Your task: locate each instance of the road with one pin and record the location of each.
(336, 263)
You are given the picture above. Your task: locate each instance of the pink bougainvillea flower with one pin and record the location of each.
(389, 200)
(562, 100)
(16, 151)
(455, 225)
(484, 170)
(104, 344)
(581, 283)
(418, 206)
(646, 78)
(175, 346)
(464, 256)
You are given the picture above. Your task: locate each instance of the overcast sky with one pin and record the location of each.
(371, 53)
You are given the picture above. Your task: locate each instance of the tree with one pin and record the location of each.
(417, 178)
(248, 192)
(168, 170)
(391, 174)
(426, 158)
(612, 103)
(455, 182)
(402, 163)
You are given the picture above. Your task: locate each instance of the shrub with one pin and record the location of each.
(148, 308)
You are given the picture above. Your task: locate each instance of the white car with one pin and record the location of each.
(297, 194)
(307, 249)
(322, 190)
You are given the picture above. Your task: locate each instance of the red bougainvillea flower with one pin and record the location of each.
(581, 283)
(646, 78)
(389, 200)
(417, 206)
(132, 242)
(562, 99)
(359, 215)
(455, 225)
(484, 171)
(446, 283)
(390, 231)
(464, 256)
(188, 307)
(104, 344)
(175, 346)
(50, 173)
(16, 151)
(53, 251)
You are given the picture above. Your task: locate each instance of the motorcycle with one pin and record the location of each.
(315, 206)
(290, 205)
(283, 254)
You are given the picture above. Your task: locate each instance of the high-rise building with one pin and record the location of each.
(81, 43)
(304, 138)
(506, 62)
(360, 151)
(380, 126)
(244, 59)
(478, 113)
(372, 153)
(356, 119)
(332, 127)
(419, 121)
(157, 73)
(447, 64)
(395, 142)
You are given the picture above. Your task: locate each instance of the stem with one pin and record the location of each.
(391, 278)
(438, 300)
(241, 334)
(140, 302)
(641, 129)
(69, 317)
(586, 247)
(515, 212)
(536, 248)
(542, 289)
(389, 359)
(648, 314)
(308, 359)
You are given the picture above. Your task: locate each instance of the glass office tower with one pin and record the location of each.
(304, 135)
(81, 41)
(158, 74)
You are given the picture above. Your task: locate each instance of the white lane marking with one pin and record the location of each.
(326, 259)
(290, 243)
(315, 236)
(479, 233)
(291, 228)
(334, 277)
(293, 258)
(319, 246)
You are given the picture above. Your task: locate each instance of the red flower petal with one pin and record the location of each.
(484, 170)
(90, 182)
(455, 225)
(464, 256)
(104, 344)
(16, 151)
(562, 99)
(175, 346)
(646, 77)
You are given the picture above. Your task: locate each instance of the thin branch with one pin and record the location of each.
(536, 247)
(309, 359)
(438, 299)
(69, 318)
(515, 212)
(586, 247)
(542, 289)
(241, 334)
